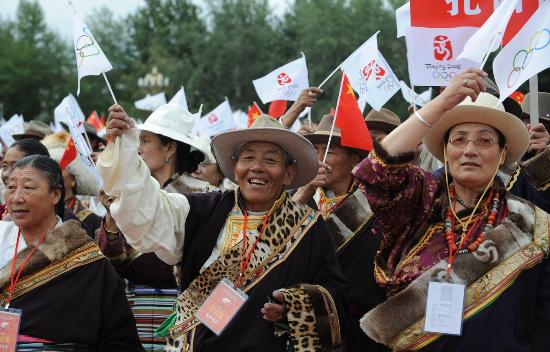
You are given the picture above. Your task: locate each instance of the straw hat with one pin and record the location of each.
(383, 120)
(266, 129)
(487, 110)
(171, 121)
(544, 105)
(322, 134)
(33, 130)
(86, 184)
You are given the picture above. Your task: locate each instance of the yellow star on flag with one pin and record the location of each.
(350, 90)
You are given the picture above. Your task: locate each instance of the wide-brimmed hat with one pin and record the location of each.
(92, 133)
(544, 105)
(383, 120)
(171, 121)
(509, 103)
(205, 148)
(86, 183)
(486, 110)
(266, 129)
(33, 130)
(322, 134)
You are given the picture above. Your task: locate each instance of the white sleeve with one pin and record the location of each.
(151, 219)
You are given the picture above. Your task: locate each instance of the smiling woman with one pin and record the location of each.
(274, 250)
(54, 273)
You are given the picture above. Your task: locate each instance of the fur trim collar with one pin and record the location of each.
(59, 242)
(186, 184)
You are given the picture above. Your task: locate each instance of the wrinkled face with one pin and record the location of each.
(340, 160)
(12, 155)
(261, 173)
(29, 199)
(208, 172)
(473, 165)
(152, 151)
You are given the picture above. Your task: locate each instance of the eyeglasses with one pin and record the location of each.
(461, 142)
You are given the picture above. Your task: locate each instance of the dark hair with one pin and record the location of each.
(501, 138)
(187, 161)
(51, 171)
(31, 147)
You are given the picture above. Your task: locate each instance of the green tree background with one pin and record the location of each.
(214, 51)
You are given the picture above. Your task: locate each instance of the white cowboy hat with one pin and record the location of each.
(171, 121)
(486, 110)
(267, 129)
(205, 148)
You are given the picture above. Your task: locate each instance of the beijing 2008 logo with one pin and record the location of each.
(283, 79)
(539, 41)
(443, 48)
(379, 71)
(212, 118)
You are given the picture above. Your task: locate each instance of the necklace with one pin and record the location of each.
(462, 202)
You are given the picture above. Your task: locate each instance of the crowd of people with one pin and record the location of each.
(267, 239)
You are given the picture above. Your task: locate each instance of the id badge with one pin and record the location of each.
(444, 308)
(9, 329)
(220, 306)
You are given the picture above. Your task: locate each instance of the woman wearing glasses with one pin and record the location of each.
(459, 234)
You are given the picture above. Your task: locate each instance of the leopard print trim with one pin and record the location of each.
(284, 231)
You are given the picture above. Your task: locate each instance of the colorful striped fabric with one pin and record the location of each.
(151, 307)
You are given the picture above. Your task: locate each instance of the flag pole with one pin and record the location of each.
(109, 86)
(489, 51)
(309, 117)
(330, 75)
(534, 100)
(334, 120)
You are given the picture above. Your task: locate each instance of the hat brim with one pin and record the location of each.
(322, 138)
(173, 134)
(300, 149)
(19, 137)
(380, 126)
(514, 131)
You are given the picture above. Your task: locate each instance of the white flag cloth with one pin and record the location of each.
(13, 126)
(284, 83)
(69, 108)
(84, 153)
(403, 19)
(241, 119)
(90, 59)
(180, 99)
(56, 127)
(412, 97)
(151, 102)
(370, 75)
(488, 37)
(431, 54)
(525, 55)
(218, 120)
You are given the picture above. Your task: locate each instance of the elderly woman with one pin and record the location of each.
(253, 242)
(69, 295)
(208, 169)
(462, 234)
(171, 155)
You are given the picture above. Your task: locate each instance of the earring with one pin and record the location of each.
(166, 160)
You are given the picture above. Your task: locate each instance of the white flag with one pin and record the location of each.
(90, 59)
(218, 120)
(241, 119)
(151, 102)
(180, 99)
(69, 108)
(370, 75)
(412, 97)
(13, 126)
(284, 83)
(84, 153)
(403, 19)
(527, 54)
(488, 37)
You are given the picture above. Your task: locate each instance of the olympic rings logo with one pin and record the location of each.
(539, 41)
(446, 76)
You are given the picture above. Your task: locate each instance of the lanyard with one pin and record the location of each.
(15, 278)
(321, 204)
(246, 258)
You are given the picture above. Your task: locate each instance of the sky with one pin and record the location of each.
(58, 13)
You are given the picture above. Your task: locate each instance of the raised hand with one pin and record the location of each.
(118, 122)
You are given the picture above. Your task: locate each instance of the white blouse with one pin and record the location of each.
(8, 237)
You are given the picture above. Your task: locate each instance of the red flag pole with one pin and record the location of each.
(334, 120)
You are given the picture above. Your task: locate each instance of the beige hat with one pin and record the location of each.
(544, 105)
(86, 184)
(205, 148)
(487, 110)
(322, 134)
(33, 130)
(171, 121)
(383, 120)
(267, 129)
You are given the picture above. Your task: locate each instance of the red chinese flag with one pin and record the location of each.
(350, 121)
(253, 112)
(93, 120)
(518, 96)
(277, 108)
(68, 155)
(102, 120)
